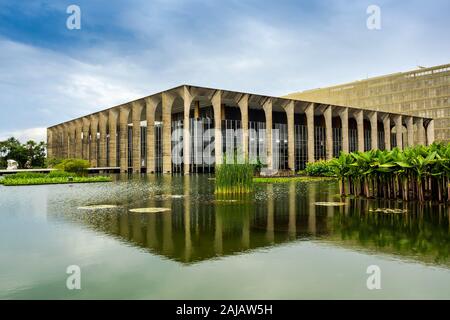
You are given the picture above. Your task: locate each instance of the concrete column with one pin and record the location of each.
(94, 131)
(344, 124)
(103, 120)
(310, 126)
(65, 139)
(66, 129)
(86, 127)
(56, 146)
(124, 113)
(59, 142)
(290, 111)
(430, 132)
(167, 102)
(136, 107)
(410, 130)
(78, 140)
(71, 129)
(54, 142)
(328, 115)
(186, 131)
(387, 132)
(112, 124)
(216, 103)
(374, 129)
(150, 104)
(50, 144)
(62, 141)
(359, 115)
(399, 131)
(197, 110)
(269, 146)
(243, 106)
(420, 132)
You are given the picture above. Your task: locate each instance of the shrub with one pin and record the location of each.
(319, 169)
(77, 166)
(24, 175)
(60, 174)
(52, 162)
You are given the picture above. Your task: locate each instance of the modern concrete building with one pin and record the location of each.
(189, 129)
(422, 93)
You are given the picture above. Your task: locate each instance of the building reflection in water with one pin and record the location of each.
(200, 228)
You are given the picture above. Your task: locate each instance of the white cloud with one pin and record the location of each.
(239, 49)
(40, 87)
(36, 134)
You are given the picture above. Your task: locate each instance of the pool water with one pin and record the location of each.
(285, 241)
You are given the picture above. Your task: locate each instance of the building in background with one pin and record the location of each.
(174, 131)
(422, 93)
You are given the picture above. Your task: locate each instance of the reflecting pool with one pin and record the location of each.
(287, 241)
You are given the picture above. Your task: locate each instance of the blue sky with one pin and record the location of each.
(129, 49)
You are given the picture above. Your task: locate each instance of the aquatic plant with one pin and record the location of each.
(416, 173)
(78, 166)
(54, 177)
(320, 168)
(290, 179)
(234, 178)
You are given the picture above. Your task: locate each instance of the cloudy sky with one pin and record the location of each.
(128, 49)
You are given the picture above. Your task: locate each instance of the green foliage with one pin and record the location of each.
(290, 179)
(61, 174)
(234, 178)
(415, 173)
(77, 166)
(30, 154)
(52, 162)
(25, 175)
(319, 169)
(52, 180)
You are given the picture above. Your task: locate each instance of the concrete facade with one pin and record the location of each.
(163, 132)
(420, 93)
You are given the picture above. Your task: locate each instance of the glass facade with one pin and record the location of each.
(301, 147)
(280, 146)
(337, 141)
(353, 140)
(367, 140)
(381, 142)
(320, 143)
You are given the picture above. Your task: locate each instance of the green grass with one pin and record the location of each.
(234, 178)
(54, 177)
(290, 179)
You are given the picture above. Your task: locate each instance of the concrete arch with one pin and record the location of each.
(93, 141)
(152, 105)
(124, 116)
(86, 133)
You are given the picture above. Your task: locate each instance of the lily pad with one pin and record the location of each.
(388, 210)
(172, 196)
(149, 210)
(329, 204)
(225, 200)
(98, 207)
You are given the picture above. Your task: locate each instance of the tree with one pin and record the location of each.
(36, 153)
(31, 152)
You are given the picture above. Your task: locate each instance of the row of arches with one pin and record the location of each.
(170, 131)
